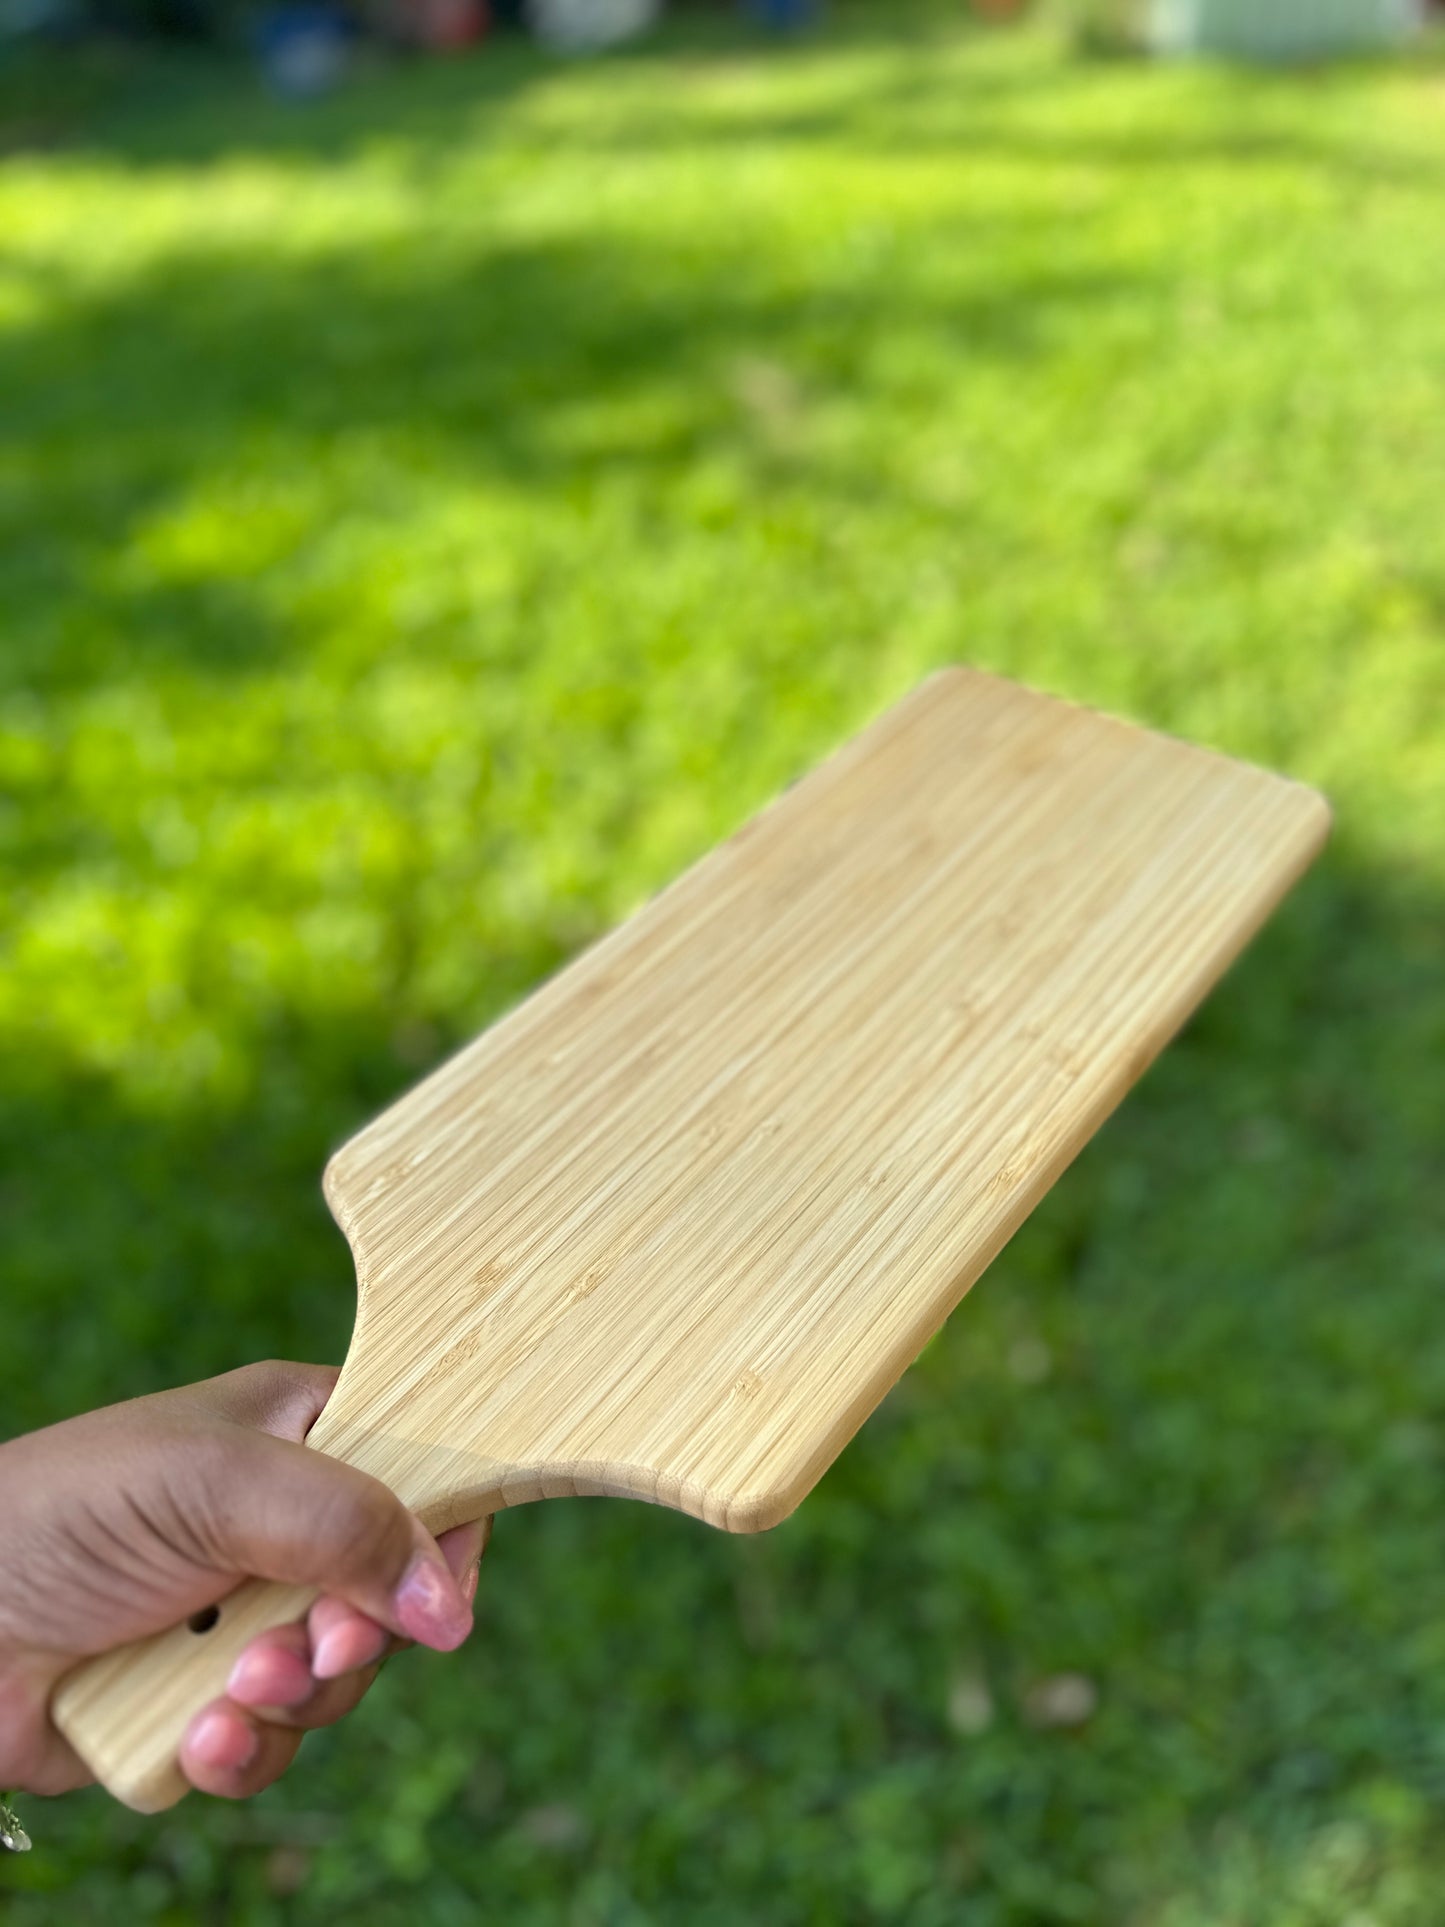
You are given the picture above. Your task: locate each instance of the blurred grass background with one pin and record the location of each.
(430, 518)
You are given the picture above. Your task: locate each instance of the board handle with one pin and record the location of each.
(126, 1711)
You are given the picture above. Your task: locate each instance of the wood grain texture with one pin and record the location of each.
(673, 1227)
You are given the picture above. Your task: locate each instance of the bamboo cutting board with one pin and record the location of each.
(672, 1228)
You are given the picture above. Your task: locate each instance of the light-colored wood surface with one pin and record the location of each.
(671, 1229)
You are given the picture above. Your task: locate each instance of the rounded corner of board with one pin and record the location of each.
(341, 1206)
(333, 1182)
(948, 676)
(155, 1793)
(753, 1512)
(1320, 813)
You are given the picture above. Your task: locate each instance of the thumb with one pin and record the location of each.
(270, 1509)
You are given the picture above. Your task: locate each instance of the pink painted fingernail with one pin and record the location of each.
(430, 1608)
(220, 1739)
(346, 1649)
(270, 1678)
(469, 1580)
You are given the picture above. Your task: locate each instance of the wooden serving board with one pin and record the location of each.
(671, 1229)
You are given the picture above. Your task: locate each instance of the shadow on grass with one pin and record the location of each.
(538, 365)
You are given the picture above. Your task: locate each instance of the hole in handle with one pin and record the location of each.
(203, 1621)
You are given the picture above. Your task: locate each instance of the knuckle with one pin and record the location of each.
(205, 1479)
(277, 1395)
(253, 1389)
(368, 1527)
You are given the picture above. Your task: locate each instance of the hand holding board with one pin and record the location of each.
(672, 1228)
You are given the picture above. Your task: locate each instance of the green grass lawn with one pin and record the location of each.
(430, 518)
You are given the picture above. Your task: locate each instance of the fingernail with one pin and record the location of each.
(430, 1607)
(270, 1678)
(342, 1650)
(213, 1741)
(469, 1580)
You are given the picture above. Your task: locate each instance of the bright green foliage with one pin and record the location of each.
(432, 516)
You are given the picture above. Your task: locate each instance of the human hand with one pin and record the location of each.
(123, 1522)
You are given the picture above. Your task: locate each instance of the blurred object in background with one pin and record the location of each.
(1284, 29)
(789, 15)
(20, 19)
(1104, 26)
(578, 26)
(305, 46)
(443, 26)
(451, 24)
